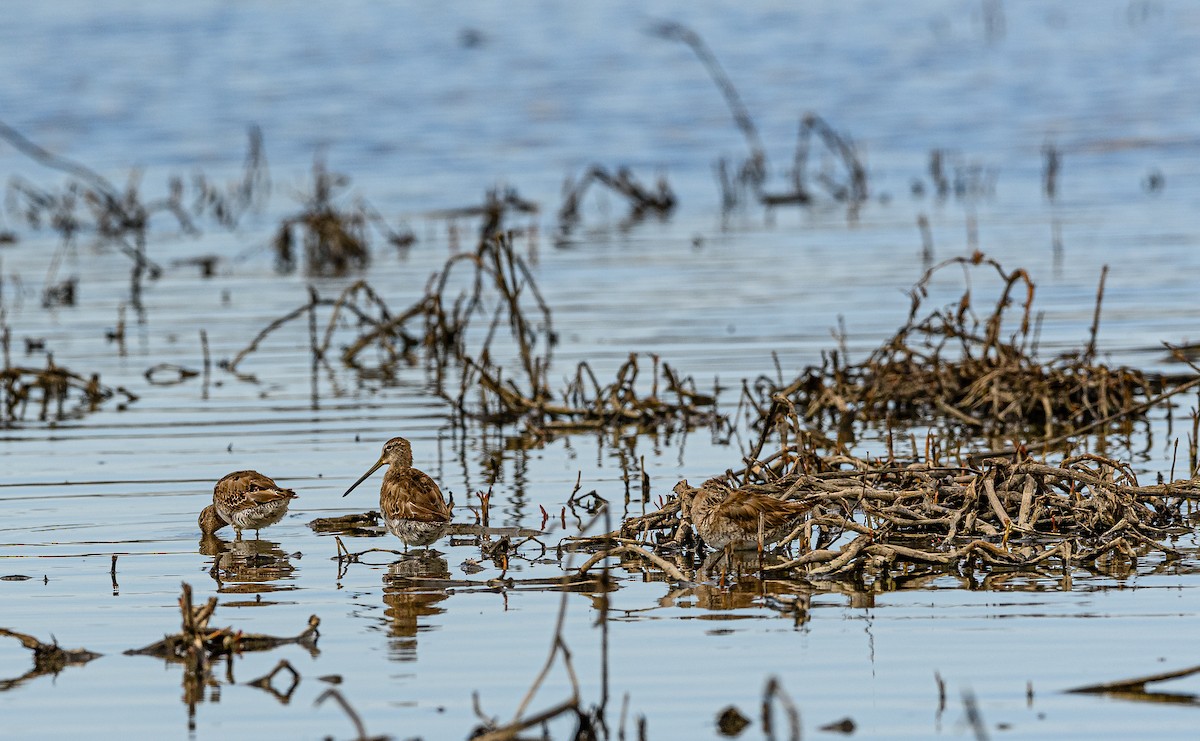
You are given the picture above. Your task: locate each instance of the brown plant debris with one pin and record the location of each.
(1135, 688)
(197, 645)
(335, 240)
(642, 200)
(973, 373)
(91, 203)
(498, 205)
(55, 393)
(458, 323)
(883, 518)
(48, 658)
(355, 524)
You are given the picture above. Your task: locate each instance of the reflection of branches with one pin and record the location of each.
(359, 726)
(265, 682)
(558, 647)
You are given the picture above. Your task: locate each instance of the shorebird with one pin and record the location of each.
(409, 499)
(246, 500)
(729, 518)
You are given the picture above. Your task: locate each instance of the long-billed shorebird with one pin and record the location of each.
(248, 501)
(736, 518)
(410, 501)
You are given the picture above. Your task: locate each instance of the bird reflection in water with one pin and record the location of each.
(412, 589)
(246, 566)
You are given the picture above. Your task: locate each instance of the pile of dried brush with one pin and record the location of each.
(972, 372)
(872, 518)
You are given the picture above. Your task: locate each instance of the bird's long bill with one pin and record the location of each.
(363, 478)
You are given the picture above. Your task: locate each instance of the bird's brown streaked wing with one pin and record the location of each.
(743, 506)
(413, 495)
(246, 488)
(262, 496)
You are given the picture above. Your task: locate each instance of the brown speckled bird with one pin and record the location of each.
(730, 517)
(410, 501)
(247, 500)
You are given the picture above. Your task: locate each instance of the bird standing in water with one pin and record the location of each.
(729, 518)
(409, 499)
(247, 500)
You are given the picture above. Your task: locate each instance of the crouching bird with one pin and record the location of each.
(729, 519)
(248, 501)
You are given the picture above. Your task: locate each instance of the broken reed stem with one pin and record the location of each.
(772, 692)
(346, 708)
(1091, 345)
(741, 115)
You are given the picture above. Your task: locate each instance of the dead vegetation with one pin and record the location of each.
(198, 647)
(53, 393)
(642, 201)
(978, 375)
(484, 305)
(90, 203)
(48, 658)
(335, 239)
(945, 511)
(833, 165)
(881, 520)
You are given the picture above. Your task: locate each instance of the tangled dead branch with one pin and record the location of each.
(877, 518)
(458, 322)
(642, 200)
(48, 658)
(335, 239)
(974, 373)
(55, 392)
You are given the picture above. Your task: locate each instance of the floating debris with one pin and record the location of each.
(498, 204)
(731, 722)
(169, 374)
(1135, 688)
(197, 645)
(354, 524)
(48, 658)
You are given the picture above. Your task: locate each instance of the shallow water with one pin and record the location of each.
(395, 99)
